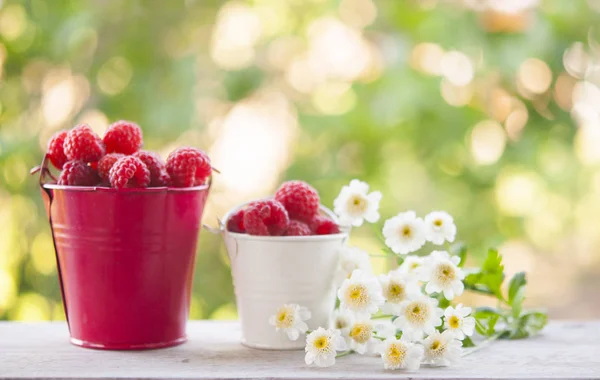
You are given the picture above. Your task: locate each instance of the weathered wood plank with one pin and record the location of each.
(566, 350)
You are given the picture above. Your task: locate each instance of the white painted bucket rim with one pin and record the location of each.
(309, 238)
(344, 230)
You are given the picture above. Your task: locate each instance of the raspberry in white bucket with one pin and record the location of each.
(283, 250)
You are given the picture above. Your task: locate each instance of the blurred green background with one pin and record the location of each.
(489, 109)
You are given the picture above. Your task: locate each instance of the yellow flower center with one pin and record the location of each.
(395, 354)
(454, 322)
(415, 265)
(284, 318)
(356, 295)
(438, 222)
(445, 273)
(417, 313)
(357, 204)
(321, 343)
(361, 332)
(394, 292)
(406, 232)
(437, 348)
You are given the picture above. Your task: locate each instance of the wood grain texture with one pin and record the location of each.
(566, 350)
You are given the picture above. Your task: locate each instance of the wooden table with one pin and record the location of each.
(566, 350)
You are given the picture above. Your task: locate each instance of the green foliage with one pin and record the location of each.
(508, 320)
(488, 279)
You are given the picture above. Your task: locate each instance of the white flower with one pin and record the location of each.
(360, 337)
(411, 265)
(290, 319)
(396, 287)
(459, 322)
(355, 204)
(321, 347)
(417, 316)
(400, 354)
(351, 258)
(341, 320)
(442, 274)
(385, 329)
(442, 349)
(404, 233)
(360, 294)
(440, 227)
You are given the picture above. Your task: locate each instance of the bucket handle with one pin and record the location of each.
(45, 175)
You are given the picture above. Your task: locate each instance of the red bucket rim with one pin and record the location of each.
(146, 190)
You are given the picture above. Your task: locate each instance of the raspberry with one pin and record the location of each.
(298, 228)
(129, 171)
(83, 144)
(235, 223)
(188, 167)
(266, 217)
(123, 137)
(106, 163)
(78, 173)
(299, 199)
(322, 225)
(56, 152)
(158, 170)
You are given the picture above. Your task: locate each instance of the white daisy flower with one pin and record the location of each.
(360, 337)
(397, 287)
(360, 294)
(351, 258)
(417, 316)
(442, 274)
(400, 354)
(290, 319)
(440, 227)
(341, 320)
(457, 320)
(385, 328)
(404, 233)
(322, 345)
(355, 204)
(442, 349)
(411, 265)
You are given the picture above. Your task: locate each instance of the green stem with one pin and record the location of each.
(382, 316)
(345, 353)
(379, 337)
(483, 344)
(372, 255)
(479, 290)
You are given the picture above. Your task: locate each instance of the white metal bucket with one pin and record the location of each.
(269, 272)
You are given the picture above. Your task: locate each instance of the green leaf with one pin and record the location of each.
(485, 312)
(468, 342)
(489, 278)
(518, 281)
(487, 317)
(517, 302)
(529, 324)
(400, 260)
(442, 301)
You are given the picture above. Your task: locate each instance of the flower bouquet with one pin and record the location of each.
(125, 227)
(407, 316)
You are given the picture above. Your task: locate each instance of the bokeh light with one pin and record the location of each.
(486, 108)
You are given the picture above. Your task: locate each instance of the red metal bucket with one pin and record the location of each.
(125, 261)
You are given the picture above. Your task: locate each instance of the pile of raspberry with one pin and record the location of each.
(294, 211)
(117, 161)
